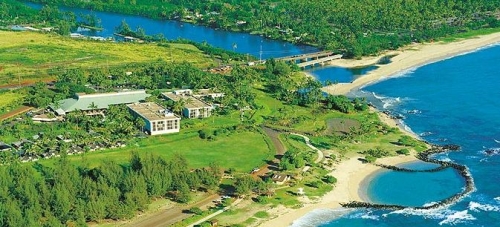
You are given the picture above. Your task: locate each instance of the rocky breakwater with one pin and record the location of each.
(426, 156)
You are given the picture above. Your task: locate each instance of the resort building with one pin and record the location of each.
(157, 119)
(203, 93)
(280, 179)
(193, 107)
(95, 104)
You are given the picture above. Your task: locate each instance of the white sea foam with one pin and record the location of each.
(475, 206)
(457, 217)
(320, 216)
(425, 134)
(496, 141)
(497, 198)
(364, 215)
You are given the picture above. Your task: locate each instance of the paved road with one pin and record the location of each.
(215, 214)
(170, 216)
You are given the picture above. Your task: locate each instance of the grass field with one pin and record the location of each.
(29, 56)
(240, 150)
(10, 100)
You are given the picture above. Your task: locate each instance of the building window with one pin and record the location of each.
(161, 125)
(192, 113)
(154, 126)
(170, 125)
(176, 124)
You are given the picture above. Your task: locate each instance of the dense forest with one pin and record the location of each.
(14, 13)
(66, 195)
(359, 27)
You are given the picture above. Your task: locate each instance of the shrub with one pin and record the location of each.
(261, 214)
(195, 210)
(403, 151)
(315, 184)
(370, 159)
(263, 199)
(330, 179)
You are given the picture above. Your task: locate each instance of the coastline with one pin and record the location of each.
(352, 174)
(409, 57)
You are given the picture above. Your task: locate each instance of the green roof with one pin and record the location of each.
(100, 100)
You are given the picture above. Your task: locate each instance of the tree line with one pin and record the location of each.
(69, 195)
(356, 28)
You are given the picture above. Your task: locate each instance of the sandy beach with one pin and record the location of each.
(351, 174)
(408, 57)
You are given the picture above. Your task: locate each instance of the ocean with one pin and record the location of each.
(452, 101)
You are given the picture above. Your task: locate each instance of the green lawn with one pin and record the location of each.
(240, 150)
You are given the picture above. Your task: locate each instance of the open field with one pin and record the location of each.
(9, 100)
(240, 150)
(30, 56)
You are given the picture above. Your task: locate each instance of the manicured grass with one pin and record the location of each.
(33, 55)
(240, 150)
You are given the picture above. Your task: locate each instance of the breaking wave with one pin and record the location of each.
(320, 216)
(475, 206)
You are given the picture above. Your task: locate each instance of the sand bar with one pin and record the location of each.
(408, 57)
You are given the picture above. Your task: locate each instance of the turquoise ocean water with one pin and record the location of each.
(456, 101)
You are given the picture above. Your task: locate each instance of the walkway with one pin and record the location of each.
(308, 143)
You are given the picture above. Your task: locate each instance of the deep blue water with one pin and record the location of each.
(451, 101)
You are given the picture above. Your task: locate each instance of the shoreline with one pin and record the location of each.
(409, 57)
(352, 174)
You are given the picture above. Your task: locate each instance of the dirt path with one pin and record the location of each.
(13, 113)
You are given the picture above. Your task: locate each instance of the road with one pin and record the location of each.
(168, 217)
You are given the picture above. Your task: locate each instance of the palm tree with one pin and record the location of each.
(179, 106)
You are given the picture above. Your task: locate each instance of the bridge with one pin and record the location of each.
(319, 61)
(304, 60)
(305, 57)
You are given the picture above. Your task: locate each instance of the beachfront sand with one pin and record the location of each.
(352, 174)
(408, 57)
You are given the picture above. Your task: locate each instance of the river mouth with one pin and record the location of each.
(334, 74)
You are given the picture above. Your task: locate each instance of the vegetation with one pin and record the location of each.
(272, 95)
(39, 195)
(31, 56)
(354, 27)
(10, 100)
